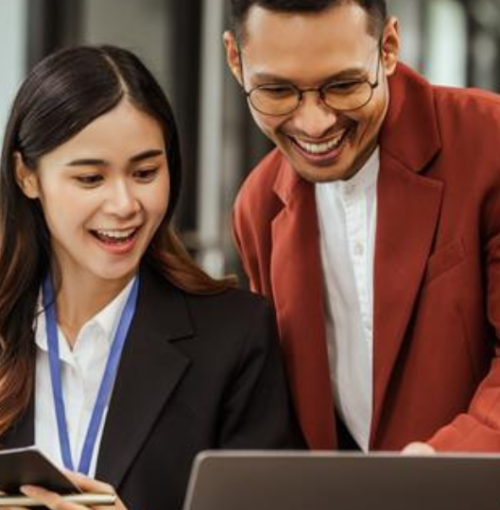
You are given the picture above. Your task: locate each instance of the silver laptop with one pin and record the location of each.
(277, 480)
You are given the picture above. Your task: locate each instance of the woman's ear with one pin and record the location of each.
(26, 178)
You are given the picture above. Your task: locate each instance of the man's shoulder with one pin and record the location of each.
(423, 117)
(410, 86)
(410, 81)
(467, 98)
(468, 112)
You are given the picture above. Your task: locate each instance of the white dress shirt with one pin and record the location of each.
(82, 369)
(347, 213)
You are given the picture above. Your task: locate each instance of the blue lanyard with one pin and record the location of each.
(106, 382)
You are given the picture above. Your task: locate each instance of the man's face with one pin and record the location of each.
(311, 50)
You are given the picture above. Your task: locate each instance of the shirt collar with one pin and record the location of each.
(105, 320)
(365, 178)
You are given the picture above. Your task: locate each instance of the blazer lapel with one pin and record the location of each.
(298, 293)
(149, 371)
(408, 212)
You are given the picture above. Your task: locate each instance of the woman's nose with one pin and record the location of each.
(121, 200)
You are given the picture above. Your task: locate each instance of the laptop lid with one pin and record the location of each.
(277, 480)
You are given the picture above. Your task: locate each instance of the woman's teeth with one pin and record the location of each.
(115, 236)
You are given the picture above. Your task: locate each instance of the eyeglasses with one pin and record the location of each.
(283, 99)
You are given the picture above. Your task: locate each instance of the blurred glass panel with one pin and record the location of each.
(409, 14)
(13, 40)
(141, 26)
(446, 43)
(485, 42)
(210, 180)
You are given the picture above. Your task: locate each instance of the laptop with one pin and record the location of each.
(278, 480)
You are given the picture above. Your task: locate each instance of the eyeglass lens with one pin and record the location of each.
(284, 99)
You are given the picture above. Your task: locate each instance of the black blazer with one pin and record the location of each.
(196, 373)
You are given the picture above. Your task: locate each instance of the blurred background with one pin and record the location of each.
(452, 42)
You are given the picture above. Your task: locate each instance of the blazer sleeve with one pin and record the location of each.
(257, 411)
(479, 428)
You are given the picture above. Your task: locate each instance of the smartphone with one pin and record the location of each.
(28, 466)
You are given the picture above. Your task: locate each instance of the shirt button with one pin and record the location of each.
(358, 249)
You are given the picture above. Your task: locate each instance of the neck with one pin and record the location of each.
(80, 299)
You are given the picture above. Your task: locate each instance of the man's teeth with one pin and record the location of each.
(321, 148)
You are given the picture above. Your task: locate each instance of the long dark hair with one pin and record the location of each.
(63, 94)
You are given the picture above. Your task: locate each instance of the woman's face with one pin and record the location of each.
(103, 193)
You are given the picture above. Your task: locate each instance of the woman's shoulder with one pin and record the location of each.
(237, 323)
(233, 310)
(233, 305)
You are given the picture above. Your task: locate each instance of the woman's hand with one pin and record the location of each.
(55, 501)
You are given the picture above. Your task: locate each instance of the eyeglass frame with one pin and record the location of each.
(299, 92)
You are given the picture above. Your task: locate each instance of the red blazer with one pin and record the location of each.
(436, 277)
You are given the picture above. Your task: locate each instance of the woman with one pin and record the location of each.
(120, 358)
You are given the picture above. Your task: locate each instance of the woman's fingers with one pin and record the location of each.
(87, 484)
(49, 499)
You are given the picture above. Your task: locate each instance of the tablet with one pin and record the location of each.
(238, 480)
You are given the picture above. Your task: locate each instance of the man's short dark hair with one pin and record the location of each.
(376, 10)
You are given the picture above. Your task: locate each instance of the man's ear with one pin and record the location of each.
(390, 46)
(26, 178)
(232, 54)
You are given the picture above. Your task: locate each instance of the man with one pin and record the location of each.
(374, 227)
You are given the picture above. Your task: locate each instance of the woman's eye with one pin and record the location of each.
(146, 174)
(89, 180)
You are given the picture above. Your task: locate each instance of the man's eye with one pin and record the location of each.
(89, 179)
(146, 174)
(344, 87)
(276, 91)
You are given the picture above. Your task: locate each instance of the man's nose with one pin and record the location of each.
(313, 118)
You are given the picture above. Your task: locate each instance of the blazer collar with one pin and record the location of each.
(409, 206)
(410, 132)
(288, 183)
(298, 293)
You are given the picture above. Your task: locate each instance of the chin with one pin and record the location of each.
(319, 174)
(340, 170)
(116, 274)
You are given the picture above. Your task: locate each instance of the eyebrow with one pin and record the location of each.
(102, 162)
(345, 74)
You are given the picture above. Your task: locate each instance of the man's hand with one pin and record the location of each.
(418, 448)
